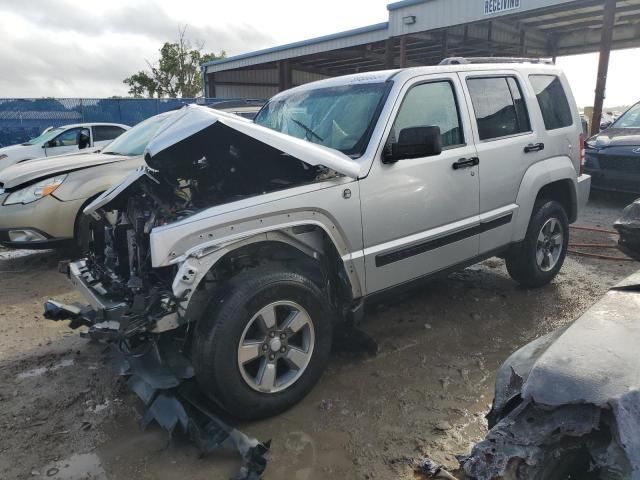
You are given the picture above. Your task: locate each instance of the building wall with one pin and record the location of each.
(445, 13)
(261, 83)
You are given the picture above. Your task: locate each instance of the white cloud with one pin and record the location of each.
(85, 48)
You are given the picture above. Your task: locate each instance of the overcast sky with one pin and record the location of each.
(72, 48)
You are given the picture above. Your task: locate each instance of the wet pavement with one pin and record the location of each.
(64, 415)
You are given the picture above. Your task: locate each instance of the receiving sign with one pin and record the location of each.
(498, 6)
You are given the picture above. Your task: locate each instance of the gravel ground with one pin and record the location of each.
(64, 415)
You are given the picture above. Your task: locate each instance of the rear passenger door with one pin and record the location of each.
(507, 146)
(103, 134)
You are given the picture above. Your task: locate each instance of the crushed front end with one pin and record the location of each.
(128, 298)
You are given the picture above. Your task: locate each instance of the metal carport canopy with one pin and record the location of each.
(423, 32)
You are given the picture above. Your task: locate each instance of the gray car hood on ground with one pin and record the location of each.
(592, 362)
(32, 170)
(192, 119)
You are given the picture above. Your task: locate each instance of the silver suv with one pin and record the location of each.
(242, 244)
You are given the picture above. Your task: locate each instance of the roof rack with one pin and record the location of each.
(467, 61)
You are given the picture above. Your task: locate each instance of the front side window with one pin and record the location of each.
(629, 119)
(427, 105)
(552, 100)
(499, 107)
(336, 117)
(69, 138)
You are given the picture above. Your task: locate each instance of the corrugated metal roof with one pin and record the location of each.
(304, 43)
(404, 3)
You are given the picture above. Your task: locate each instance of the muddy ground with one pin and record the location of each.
(65, 415)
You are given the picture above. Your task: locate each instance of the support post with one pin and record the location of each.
(403, 52)
(284, 75)
(211, 84)
(445, 44)
(603, 64)
(388, 53)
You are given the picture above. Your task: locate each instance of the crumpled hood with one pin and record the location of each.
(31, 170)
(617, 137)
(194, 119)
(595, 360)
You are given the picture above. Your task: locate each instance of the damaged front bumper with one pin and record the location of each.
(106, 317)
(157, 370)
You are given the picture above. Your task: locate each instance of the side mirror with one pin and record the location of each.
(415, 142)
(49, 144)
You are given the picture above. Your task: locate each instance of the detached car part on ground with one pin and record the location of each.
(567, 405)
(246, 242)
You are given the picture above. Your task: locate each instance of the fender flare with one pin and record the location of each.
(198, 263)
(535, 178)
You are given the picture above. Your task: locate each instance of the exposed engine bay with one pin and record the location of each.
(233, 166)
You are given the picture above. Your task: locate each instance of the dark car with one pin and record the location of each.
(613, 156)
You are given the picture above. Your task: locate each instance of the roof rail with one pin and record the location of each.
(467, 61)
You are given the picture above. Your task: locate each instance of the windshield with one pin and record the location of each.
(133, 142)
(45, 137)
(337, 117)
(630, 119)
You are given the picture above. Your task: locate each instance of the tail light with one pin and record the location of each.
(582, 154)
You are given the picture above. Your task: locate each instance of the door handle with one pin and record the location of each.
(466, 163)
(534, 147)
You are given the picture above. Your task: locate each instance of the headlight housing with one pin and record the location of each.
(36, 191)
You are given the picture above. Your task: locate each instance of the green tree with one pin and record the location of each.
(176, 74)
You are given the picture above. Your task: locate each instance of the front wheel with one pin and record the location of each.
(539, 257)
(263, 343)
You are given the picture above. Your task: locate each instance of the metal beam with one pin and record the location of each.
(603, 64)
(285, 80)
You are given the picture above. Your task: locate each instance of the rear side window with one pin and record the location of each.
(106, 132)
(552, 100)
(431, 104)
(499, 107)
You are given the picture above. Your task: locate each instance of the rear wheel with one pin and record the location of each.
(539, 257)
(263, 343)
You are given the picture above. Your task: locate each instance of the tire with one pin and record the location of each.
(82, 228)
(81, 237)
(244, 389)
(523, 262)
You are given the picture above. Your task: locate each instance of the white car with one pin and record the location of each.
(61, 141)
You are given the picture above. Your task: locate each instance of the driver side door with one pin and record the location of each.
(66, 142)
(421, 215)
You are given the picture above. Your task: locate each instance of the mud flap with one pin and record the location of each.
(163, 379)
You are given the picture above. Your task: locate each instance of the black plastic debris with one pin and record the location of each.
(163, 379)
(431, 469)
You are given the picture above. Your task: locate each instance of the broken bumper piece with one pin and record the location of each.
(163, 379)
(107, 319)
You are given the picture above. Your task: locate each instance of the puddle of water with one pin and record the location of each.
(6, 254)
(79, 466)
(36, 372)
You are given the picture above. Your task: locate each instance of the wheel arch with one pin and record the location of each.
(308, 249)
(554, 179)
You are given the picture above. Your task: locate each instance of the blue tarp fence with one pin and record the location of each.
(24, 118)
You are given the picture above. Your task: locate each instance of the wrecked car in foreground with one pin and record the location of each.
(567, 405)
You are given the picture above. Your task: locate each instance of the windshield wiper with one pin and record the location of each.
(308, 130)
